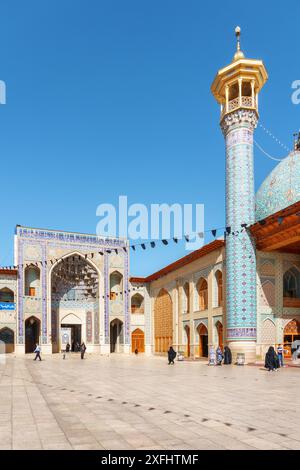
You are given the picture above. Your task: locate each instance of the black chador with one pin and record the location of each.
(227, 355)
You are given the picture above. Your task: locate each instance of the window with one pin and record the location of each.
(116, 286)
(137, 303)
(186, 298)
(202, 288)
(6, 295)
(219, 286)
(246, 89)
(291, 283)
(32, 281)
(234, 91)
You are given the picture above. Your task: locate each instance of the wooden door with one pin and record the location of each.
(203, 340)
(138, 341)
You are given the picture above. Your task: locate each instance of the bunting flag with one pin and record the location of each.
(228, 231)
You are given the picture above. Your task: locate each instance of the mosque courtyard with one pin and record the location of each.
(125, 402)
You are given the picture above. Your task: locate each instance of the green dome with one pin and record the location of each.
(281, 188)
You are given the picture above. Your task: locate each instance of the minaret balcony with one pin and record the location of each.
(245, 102)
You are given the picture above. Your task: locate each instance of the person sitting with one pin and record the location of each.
(271, 360)
(227, 355)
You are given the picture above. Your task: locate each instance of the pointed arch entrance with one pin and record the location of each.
(32, 333)
(203, 340)
(7, 339)
(116, 335)
(74, 295)
(138, 341)
(291, 333)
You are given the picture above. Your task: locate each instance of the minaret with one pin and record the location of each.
(236, 88)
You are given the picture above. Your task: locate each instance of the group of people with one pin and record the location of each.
(218, 357)
(215, 357)
(77, 348)
(81, 348)
(274, 359)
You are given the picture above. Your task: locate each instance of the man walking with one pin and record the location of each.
(37, 352)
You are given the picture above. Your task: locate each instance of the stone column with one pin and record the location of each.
(238, 128)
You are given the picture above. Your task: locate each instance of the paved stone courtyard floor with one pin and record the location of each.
(126, 402)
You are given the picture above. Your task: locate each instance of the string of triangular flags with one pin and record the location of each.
(60, 299)
(226, 231)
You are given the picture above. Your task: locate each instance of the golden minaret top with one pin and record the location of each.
(237, 85)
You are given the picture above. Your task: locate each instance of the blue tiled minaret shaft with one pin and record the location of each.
(236, 88)
(238, 128)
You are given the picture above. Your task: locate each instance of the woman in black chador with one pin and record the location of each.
(171, 355)
(271, 360)
(82, 350)
(227, 355)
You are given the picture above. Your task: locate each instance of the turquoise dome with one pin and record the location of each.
(281, 188)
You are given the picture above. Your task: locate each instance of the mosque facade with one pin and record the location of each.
(242, 290)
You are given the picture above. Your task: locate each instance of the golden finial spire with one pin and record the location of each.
(239, 54)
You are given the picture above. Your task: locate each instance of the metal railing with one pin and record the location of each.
(242, 102)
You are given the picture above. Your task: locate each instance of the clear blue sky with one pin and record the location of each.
(113, 97)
